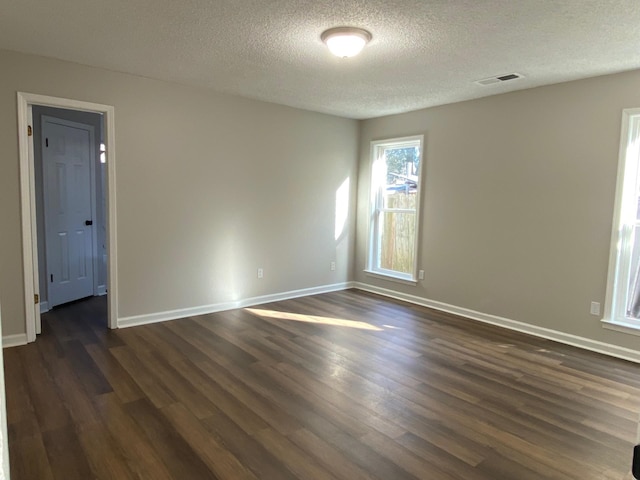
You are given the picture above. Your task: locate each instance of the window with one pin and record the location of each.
(622, 309)
(395, 200)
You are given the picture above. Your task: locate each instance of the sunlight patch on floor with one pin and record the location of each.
(297, 317)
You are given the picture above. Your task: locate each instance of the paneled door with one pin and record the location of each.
(68, 156)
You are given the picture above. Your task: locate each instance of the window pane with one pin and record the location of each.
(633, 290)
(401, 165)
(397, 241)
(404, 200)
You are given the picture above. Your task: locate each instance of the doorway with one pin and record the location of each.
(64, 125)
(69, 208)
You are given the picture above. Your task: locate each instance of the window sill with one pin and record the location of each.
(624, 327)
(391, 278)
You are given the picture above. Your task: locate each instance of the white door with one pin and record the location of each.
(67, 154)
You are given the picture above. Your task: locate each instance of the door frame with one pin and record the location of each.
(28, 204)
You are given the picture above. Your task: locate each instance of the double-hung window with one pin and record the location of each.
(394, 207)
(622, 309)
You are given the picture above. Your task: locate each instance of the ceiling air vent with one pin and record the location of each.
(498, 79)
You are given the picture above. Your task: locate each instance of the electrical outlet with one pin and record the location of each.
(420, 274)
(595, 308)
(260, 273)
(333, 266)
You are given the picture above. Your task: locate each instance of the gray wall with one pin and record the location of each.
(517, 209)
(209, 187)
(86, 118)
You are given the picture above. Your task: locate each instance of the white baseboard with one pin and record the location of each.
(566, 338)
(219, 307)
(102, 290)
(549, 334)
(305, 292)
(44, 307)
(14, 340)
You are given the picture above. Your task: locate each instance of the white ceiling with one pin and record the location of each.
(423, 52)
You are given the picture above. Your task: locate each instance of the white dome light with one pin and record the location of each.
(345, 41)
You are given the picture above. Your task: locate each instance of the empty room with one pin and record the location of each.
(319, 240)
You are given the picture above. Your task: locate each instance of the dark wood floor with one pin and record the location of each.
(345, 385)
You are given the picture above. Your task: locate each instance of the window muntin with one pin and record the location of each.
(395, 200)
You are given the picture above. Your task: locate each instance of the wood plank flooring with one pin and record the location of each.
(345, 385)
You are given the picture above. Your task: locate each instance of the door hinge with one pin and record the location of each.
(46, 141)
(29, 131)
(36, 298)
(52, 278)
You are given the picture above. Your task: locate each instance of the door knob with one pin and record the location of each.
(88, 222)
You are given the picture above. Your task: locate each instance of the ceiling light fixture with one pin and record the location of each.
(345, 41)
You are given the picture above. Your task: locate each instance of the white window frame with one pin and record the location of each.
(375, 207)
(624, 220)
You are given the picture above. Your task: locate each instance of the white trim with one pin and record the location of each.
(549, 334)
(624, 327)
(44, 307)
(29, 261)
(14, 340)
(303, 292)
(34, 221)
(375, 202)
(629, 136)
(391, 278)
(219, 307)
(111, 221)
(147, 318)
(27, 201)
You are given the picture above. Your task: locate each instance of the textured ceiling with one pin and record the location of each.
(423, 52)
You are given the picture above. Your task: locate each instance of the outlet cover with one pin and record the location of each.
(420, 274)
(260, 273)
(595, 308)
(333, 266)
